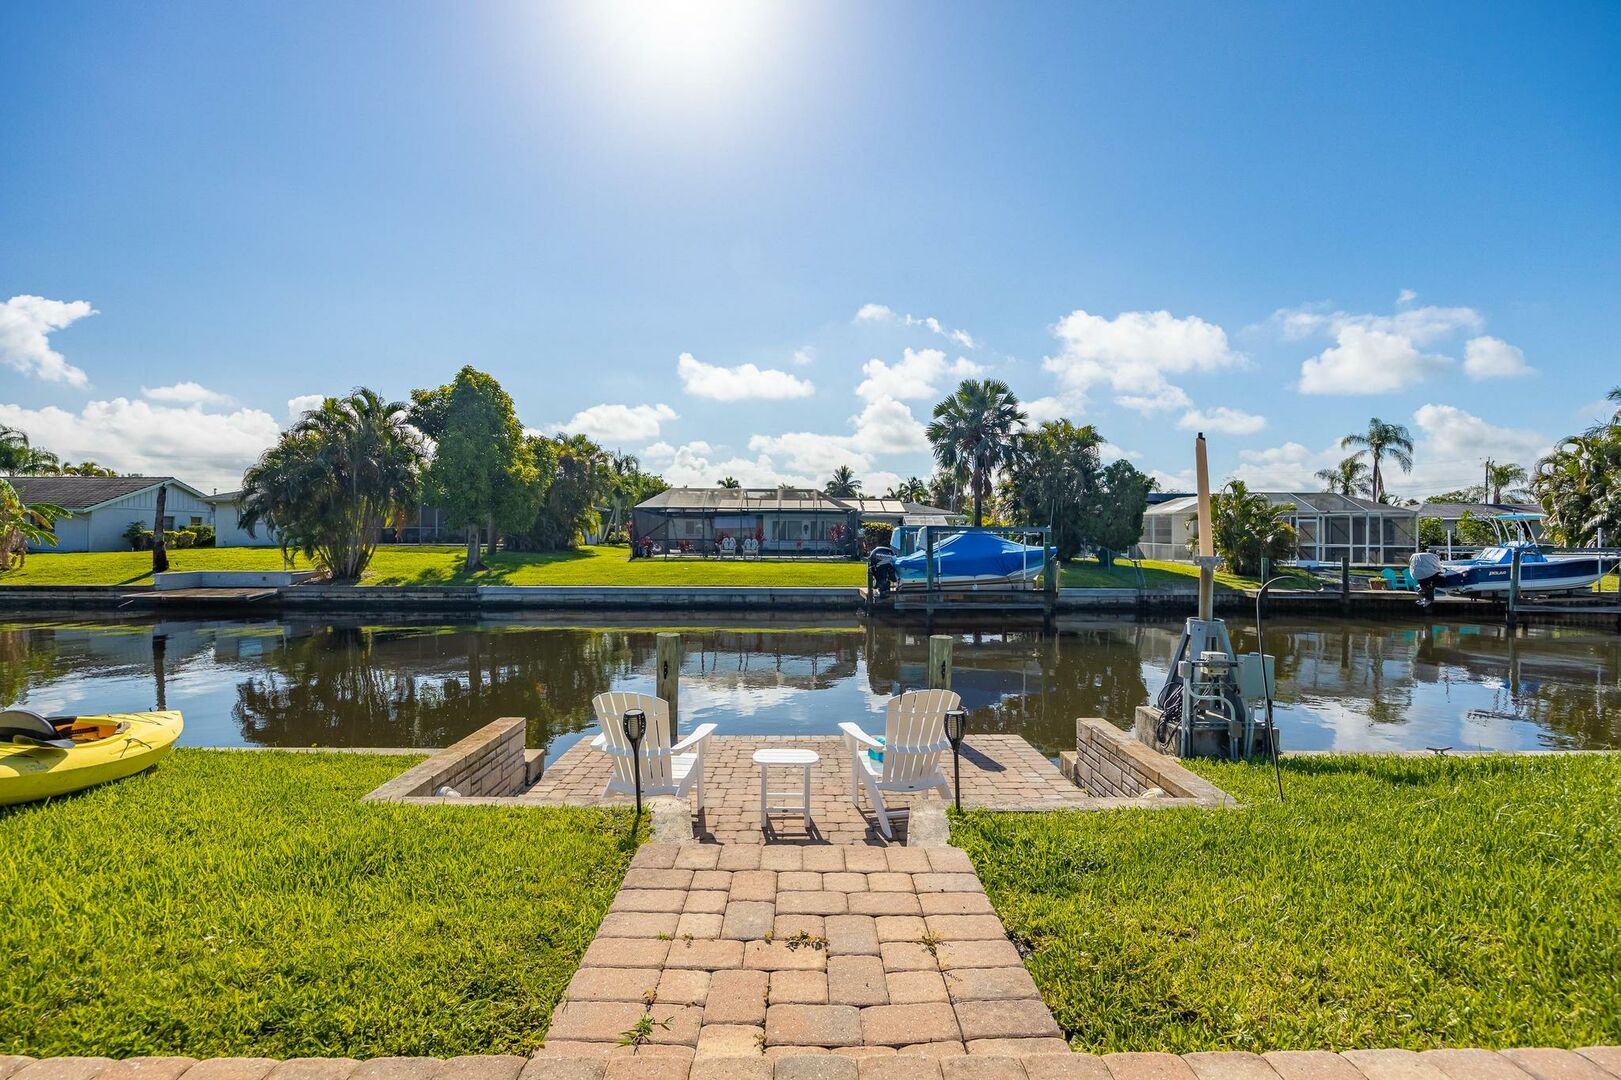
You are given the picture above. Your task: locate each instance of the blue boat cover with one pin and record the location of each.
(972, 555)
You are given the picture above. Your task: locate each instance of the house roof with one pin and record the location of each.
(80, 494)
(1305, 502)
(782, 499)
(1452, 511)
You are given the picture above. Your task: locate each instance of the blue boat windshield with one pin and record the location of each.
(1503, 556)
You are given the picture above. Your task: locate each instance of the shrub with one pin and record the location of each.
(874, 534)
(138, 535)
(202, 535)
(176, 539)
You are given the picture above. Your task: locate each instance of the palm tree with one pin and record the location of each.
(909, 490)
(1380, 441)
(844, 484)
(973, 432)
(1579, 487)
(22, 525)
(730, 482)
(1615, 396)
(1247, 528)
(1502, 476)
(1348, 478)
(19, 458)
(335, 480)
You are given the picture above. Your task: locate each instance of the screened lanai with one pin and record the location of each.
(1330, 527)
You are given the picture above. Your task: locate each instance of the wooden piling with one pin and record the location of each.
(1513, 588)
(940, 661)
(667, 675)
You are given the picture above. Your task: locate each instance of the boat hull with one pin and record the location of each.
(1554, 575)
(973, 560)
(30, 773)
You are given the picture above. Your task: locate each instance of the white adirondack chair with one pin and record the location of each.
(914, 738)
(666, 770)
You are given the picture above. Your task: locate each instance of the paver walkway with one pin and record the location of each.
(759, 951)
(997, 770)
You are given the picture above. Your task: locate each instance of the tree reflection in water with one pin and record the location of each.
(1347, 684)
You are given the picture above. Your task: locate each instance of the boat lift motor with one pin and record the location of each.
(1204, 706)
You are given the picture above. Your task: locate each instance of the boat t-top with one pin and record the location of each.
(1488, 571)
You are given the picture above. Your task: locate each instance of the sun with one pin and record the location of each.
(683, 47)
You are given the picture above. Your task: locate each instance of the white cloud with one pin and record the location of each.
(619, 424)
(26, 323)
(746, 382)
(1487, 357)
(883, 313)
(186, 393)
(918, 374)
(205, 449)
(804, 356)
(696, 464)
(1374, 354)
(1367, 361)
(1290, 467)
(1223, 420)
(1452, 445)
(1405, 297)
(1131, 354)
(303, 403)
(1043, 409)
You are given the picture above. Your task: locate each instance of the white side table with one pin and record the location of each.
(766, 759)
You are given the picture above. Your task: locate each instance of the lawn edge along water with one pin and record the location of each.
(1390, 901)
(230, 903)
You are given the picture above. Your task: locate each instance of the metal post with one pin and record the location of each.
(1513, 588)
(940, 662)
(1266, 568)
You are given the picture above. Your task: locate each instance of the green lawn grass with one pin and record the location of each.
(1389, 902)
(246, 904)
(600, 565)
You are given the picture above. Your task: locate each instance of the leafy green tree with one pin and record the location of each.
(484, 472)
(1579, 487)
(1432, 532)
(1461, 495)
(23, 525)
(19, 457)
(843, 484)
(628, 485)
(973, 435)
(1474, 531)
(580, 484)
(1055, 479)
(1248, 528)
(1116, 520)
(335, 479)
(946, 489)
(1349, 478)
(1380, 441)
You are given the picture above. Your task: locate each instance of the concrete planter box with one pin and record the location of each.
(230, 579)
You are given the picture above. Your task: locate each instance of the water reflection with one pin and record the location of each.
(1341, 685)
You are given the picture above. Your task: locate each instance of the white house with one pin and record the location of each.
(1329, 527)
(103, 507)
(228, 531)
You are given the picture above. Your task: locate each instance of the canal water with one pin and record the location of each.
(1341, 685)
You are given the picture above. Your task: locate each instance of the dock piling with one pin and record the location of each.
(667, 675)
(940, 661)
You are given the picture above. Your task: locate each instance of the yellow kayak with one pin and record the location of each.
(45, 756)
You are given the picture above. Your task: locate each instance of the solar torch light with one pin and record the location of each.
(956, 729)
(635, 725)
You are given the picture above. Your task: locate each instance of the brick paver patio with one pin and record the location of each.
(997, 771)
(760, 951)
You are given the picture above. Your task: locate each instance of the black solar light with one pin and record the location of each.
(956, 730)
(635, 725)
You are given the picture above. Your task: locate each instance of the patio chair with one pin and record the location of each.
(666, 770)
(728, 547)
(908, 757)
(751, 548)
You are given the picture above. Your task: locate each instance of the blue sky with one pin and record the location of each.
(1269, 221)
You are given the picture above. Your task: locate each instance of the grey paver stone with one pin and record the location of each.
(1230, 1065)
(856, 980)
(736, 997)
(626, 953)
(1392, 1065)
(1463, 1064)
(310, 1068)
(816, 1067)
(1147, 1066)
(1549, 1064)
(994, 984)
(742, 1041)
(481, 1067)
(1063, 1065)
(232, 1068)
(1605, 1057)
(798, 988)
(62, 1068)
(903, 1025)
(813, 1025)
(852, 935)
(747, 920)
(709, 955)
(1023, 1019)
(611, 984)
(1311, 1065)
(982, 1067)
(395, 1068)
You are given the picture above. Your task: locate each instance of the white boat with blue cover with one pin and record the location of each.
(1489, 571)
(974, 558)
